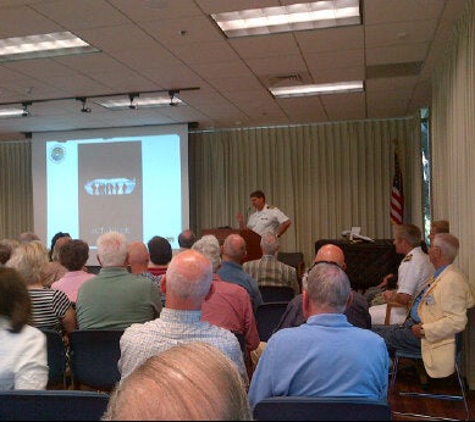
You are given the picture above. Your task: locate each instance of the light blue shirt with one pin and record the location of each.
(327, 356)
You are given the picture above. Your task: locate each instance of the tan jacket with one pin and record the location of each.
(443, 312)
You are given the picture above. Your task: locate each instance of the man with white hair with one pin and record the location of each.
(115, 299)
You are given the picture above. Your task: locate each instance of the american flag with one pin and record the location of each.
(397, 194)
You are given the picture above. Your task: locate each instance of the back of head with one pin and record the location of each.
(208, 245)
(448, 245)
(189, 277)
(30, 260)
(56, 252)
(74, 254)
(138, 254)
(6, 249)
(331, 253)
(234, 248)
(15, 303)
(112, 249)
(194, 381)
(328, 287)
(55, 239)
(26, 237)
(186, 239)
(160, 250)
(269, 243)
(409, 232)
(440, 226)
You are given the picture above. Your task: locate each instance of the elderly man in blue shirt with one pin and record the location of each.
(326, 356)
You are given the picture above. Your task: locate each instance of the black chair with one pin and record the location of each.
(276, 293)
(52, 405)
(94, 358)
(56, 350)
(321, 409)
(294, 259)
(268, 316)
(417, 357)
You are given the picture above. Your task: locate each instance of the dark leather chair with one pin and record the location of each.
(276, 293)
(94, 358)
(56, 350)
(417, 357)
(268, 316)
(294, 259)
(52, 405)
(321, 409)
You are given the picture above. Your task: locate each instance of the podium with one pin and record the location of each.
(253, 240)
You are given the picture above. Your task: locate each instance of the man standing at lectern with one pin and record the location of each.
(266, 218)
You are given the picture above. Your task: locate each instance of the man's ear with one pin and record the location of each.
(350, 300)
(163, 284)
(211, 290)
(306, 304)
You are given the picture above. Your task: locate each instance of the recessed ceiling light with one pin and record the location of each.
(43, 45)
(308, 90)
(294, 17)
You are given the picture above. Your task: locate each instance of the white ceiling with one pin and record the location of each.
(148, 45)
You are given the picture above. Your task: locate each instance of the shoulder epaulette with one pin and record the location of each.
(407, 258)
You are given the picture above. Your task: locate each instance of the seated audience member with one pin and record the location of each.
(186, 239)
(26, 237)
(51, 308)
(437, 313)
(23, 355)
(193, 381)
(438, 226)
(357, 312)
(55, 269)
(413, 272)
(327, 356)
(6, 249)
(233, 252)
(187, 283)
(74, 255)
(114, 298)
(228, 305)
(268, 271)
(161, 254)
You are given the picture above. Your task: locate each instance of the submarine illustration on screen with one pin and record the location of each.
(113, 186)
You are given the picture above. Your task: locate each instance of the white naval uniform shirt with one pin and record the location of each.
(266, 220)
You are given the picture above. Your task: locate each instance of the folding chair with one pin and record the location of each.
(418, 358)
(276, 293)
(321, 409)
(94, 358)
(56, 350)
(52, 405)
(268, 316)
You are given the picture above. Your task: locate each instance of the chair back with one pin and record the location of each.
(294, 259)
(321, 409)
(94, 358)
(268, 316)
(52, 405)
(56, 350)
(276, 293)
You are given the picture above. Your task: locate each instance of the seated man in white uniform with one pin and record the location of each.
(266, 218)
(414, 271)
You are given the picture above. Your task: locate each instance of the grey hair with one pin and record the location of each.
(448, 244)
(327, 284)
(269, 243)
(208, 245)
(112, 249)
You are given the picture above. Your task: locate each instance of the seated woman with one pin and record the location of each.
(51, 308)
(23, 355)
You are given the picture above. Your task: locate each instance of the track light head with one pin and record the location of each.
(84, 109)
(25, 105)
(173, 93)
(132, 97)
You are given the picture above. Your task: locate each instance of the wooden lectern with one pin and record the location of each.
(253, 240)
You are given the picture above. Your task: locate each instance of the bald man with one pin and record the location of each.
(139, 259)
(357, 312)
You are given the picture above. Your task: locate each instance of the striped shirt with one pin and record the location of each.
(268, 271)
(49, 308)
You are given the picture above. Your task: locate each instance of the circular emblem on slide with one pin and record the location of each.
(57, 153)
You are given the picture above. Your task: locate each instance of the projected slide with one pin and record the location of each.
(87, 186)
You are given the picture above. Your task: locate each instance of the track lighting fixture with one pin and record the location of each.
(25, 105)
(132, 97)
(173, 93)
(84, 109)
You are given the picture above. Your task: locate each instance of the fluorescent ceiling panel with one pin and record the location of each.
(41, 46)
(307, 90)
(294, 17)
(12, 112)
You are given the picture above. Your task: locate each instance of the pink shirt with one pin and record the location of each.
(71, 282)
(230, 307)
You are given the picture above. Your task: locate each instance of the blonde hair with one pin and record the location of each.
(193, 381)
(30, 260)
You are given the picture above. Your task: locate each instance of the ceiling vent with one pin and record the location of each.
(287, 79)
